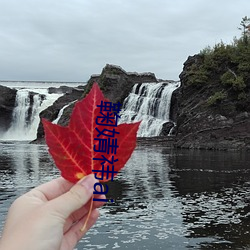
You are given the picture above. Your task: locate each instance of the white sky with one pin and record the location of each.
(68, 40)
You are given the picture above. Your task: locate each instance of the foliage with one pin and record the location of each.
(239, 84)
(234, 81)
(228, 78)
(216, 98)
(226, 66)
(245, 28)
(206, 51)
(197, 75)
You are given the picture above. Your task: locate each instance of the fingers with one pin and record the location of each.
(75, 198)
(80, 213)
(75, 234)
(54, 188)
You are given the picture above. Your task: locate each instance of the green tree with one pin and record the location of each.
(216, 98)
(245, 28)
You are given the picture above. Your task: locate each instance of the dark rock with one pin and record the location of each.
(223, 126)
(7, 104)
(157, 141)
(116, 83)
(184, 76)
(176, 96)
(31, 101)
(166, 128)
(64, 89)
(80, 87)
(242, 116)
(52, 112)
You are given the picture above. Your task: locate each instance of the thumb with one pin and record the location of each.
(75, 198)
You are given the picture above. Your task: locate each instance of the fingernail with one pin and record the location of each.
(88, 182)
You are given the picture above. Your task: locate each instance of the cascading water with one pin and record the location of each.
(25, 117)
(149, 103)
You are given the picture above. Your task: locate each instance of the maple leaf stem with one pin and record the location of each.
(89, 212)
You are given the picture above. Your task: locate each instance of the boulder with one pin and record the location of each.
(7, 104)
(116, 83)
(166, 128)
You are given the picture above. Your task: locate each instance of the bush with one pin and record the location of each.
(239, 84)
(206, 51)
(244, 69)
(197, 75)
(228, 78)
(216, 98)
(225, 68)
(234, 81)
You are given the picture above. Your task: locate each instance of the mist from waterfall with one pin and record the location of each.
(149, 103)
(25, 116)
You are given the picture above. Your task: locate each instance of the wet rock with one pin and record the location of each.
(7, 105)
(166, 128)
(52, 112)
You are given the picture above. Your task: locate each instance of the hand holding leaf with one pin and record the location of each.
(73, 148)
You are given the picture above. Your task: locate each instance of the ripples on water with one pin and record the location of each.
(164, 200)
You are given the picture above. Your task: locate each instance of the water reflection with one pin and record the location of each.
(146, 214)
(214, 187)
(22, 167)
(163, 200)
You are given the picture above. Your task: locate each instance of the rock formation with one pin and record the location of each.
(205, 122)
(52, 112)
(7, 104)
(208, 115)
(116, 83)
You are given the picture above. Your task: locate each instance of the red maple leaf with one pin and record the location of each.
(72, 147)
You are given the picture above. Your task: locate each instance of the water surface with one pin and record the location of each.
(163, 199)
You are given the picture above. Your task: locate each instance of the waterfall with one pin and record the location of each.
(25, 117)
(149, 103)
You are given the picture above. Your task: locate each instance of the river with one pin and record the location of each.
(163, 199)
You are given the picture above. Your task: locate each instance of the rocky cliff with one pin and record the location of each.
(114, 82)
(210, 114)
(211, 108)
(7, 104)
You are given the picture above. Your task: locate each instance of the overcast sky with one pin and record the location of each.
(68, 40)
